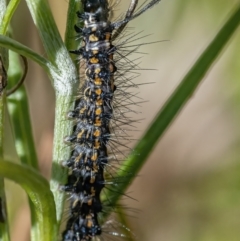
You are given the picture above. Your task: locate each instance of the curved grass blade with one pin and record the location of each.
(172, 107)
(21, 49)
(39, 193)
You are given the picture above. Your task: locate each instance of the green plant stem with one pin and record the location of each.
(4, 229)
(61, 151)
(171, 108)
(65, 87)
(2, 114)
(2, 97)
(66, 80)
(64, 77)
(11, 8)
(38, 191)
(18, 106)
(49, 34)
(2, 106)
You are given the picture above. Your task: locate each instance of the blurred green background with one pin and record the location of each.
(190, 187)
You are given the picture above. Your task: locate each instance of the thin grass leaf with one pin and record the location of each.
(173, 106)
(11, 8)
(21, 49)
(20, 117)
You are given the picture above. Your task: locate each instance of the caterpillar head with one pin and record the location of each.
(97, 7)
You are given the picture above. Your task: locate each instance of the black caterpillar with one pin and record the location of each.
(93, 114)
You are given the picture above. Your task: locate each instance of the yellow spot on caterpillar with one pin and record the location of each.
(98, 81)
(79, 135)
(108, 36)
(98, 91)
(81, 111)
(94, 60)
(99, 102)
(90, 202)
(92, 179)
(98, 111)
(111, 68)
(98, 122)
(89, 224)
(97, 144)
(97, 133)
(93, 38)
(94, 156)
(93, 190)
(97, 70)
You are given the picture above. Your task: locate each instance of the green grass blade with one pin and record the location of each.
(19, 114)
(172, 107)
(61, 152)
(39, 193)
(20, 117)
(11, 8)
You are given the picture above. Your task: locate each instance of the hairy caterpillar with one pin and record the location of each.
(98, 113)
